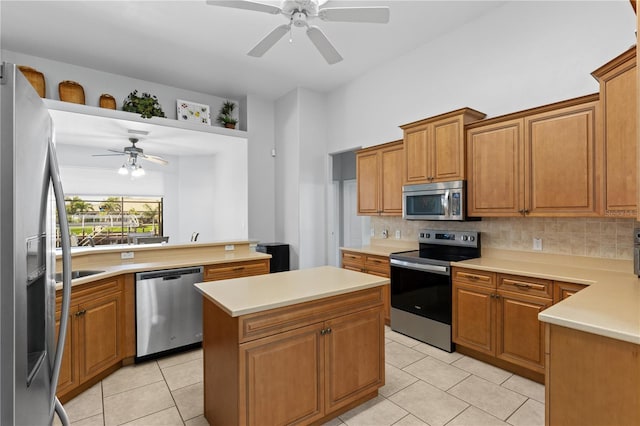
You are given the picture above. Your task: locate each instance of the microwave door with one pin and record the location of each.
(446, 204)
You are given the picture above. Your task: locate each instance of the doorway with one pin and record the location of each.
(346, 228)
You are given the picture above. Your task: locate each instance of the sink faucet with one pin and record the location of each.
(91, 242)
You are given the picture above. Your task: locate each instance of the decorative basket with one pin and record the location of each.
(70, 91)
(35, 77)
(107, 101)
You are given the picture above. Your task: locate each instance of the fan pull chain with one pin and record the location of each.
(290, 34)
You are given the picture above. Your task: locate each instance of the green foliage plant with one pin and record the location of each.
(225, 115)
(146, 105)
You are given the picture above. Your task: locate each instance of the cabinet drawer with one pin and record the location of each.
(92, 290)
(352, 258)
(377, 264)
(235, 270)
(472, 276)
(526, 285)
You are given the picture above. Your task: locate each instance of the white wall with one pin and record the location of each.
(520, 55)
(313, 174)
(95, 83)
(287, 173)
(262, 198)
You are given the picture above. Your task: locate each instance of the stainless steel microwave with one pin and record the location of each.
(434, 201)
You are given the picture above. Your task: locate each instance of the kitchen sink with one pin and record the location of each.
(78, 274)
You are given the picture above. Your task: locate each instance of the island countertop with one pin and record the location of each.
(241, 296)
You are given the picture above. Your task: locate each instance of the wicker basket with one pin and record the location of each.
(35, 77)
(107, 101)
(70, 91)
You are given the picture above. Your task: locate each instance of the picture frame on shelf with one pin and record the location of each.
(193, 112)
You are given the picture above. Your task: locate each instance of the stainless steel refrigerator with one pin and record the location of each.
(30, 195)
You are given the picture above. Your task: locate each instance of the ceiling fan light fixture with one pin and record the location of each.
(138, 171)
(123, 171)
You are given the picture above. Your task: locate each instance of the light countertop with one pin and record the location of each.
(241, 296)
(168, 262)
(609, 306)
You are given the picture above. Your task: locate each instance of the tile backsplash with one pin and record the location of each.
(610, 238)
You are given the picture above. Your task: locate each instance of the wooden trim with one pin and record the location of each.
(633, 5)
(383, 145)
(466, 111)
(537, 110)
(614, 63)
(129, 308)
(489, 359)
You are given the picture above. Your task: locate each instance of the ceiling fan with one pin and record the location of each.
(299, 12)
(131, 165)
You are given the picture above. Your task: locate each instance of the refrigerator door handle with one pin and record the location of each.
(65, 239)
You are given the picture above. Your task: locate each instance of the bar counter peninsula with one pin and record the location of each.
(291, 347)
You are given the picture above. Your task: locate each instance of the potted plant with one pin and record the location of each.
(225, 115)
(146, 105)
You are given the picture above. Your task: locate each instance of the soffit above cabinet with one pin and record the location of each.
(104, 129)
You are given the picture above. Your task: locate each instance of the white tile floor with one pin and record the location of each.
(424, 386)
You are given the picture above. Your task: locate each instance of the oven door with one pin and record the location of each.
(423, 290)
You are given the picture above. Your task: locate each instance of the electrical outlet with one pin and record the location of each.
(126, 255)
(385, 233)
(397, 234)
(537, 244)
(229, 247)
(373, 232)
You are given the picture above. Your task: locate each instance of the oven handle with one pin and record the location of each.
(444, 270)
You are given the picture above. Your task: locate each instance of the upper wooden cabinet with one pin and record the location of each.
(379, 175)
(618, 127)
(434, 147)
(539, 162)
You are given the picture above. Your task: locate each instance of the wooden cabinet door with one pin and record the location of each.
(391, 164)
(495, 162)
(520, 336)
(68, 378)
(367, 170)
(100, 334)
(560, 165)
(288, 368)
(416, 152)
(354, 357)
(619, 127)
(473, 317)
(447, 150)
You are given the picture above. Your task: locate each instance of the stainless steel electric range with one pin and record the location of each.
(421, 288)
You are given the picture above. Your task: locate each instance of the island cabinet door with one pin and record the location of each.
(281, 379)
(354, 357)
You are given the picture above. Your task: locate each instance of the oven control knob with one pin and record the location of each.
(425, 235)
(465, 238)
(472, 238)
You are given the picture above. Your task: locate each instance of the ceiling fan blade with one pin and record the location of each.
(108, 155)
(268, 42)
(374, 15)
(246, 5)
(323, 45)
(154, 159)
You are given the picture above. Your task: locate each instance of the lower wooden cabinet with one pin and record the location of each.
(298, 364)
(371, 264)
(95, 333)
(497, 315)
(229, 270)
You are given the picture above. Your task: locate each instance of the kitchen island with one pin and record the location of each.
(291, 347)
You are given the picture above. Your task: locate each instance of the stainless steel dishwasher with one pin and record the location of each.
(168, 311)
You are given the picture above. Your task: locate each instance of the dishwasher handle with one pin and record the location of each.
(169, 274)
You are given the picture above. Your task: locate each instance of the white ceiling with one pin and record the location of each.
(191, 45)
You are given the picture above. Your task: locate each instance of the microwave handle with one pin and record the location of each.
(446, 201)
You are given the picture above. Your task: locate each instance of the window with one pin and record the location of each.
(95, 220)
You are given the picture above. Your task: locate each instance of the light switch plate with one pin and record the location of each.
(373, 232)
(229, 247)
(397, 234)
(126, 255)
(537, 244)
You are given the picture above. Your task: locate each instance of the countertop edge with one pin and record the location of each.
(290, 302)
